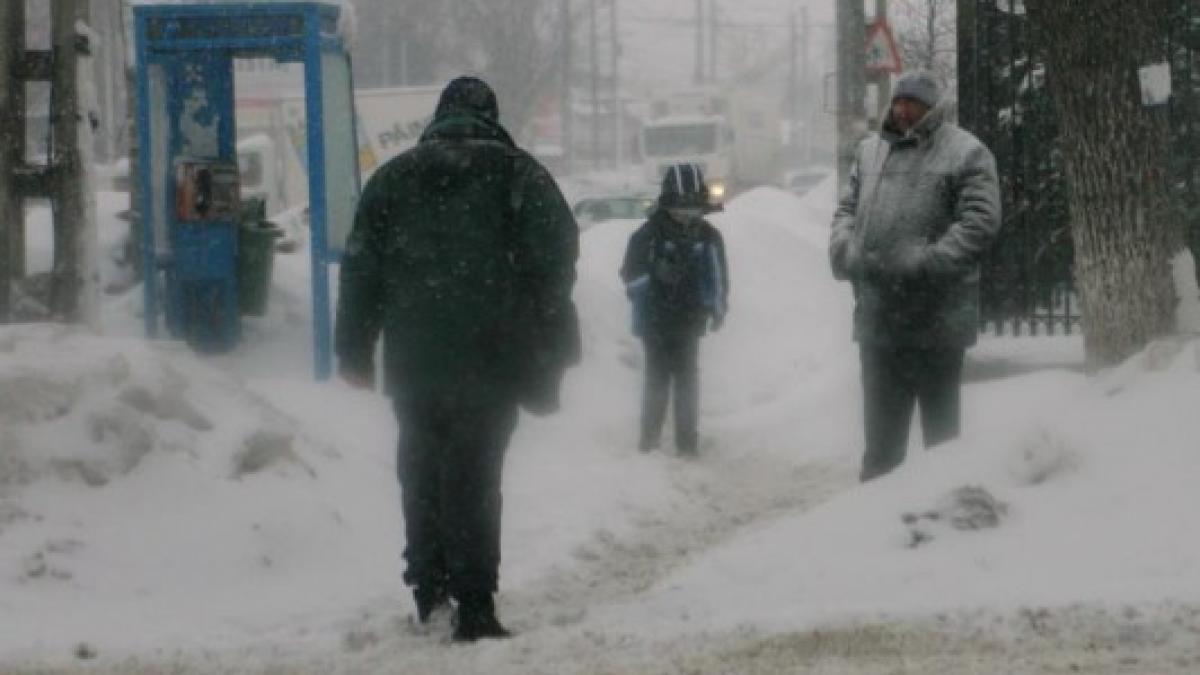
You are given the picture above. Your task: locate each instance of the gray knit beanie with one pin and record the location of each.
(919, 85)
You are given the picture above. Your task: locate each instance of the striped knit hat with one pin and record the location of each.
(683, 185)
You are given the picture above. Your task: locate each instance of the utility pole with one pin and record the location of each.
(851, 83)
(565, 111)
(595, 62)
(793, 90)
(67, 280)
(806, 84)
(931, 32)
(699, 77)
(133, 249)
(882, 79)
(106, 15)
(389, 55)
(713, 23)
(617, 108)
(12, 151)
(405, 74)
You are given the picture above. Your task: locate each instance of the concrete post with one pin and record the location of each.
(851, 83)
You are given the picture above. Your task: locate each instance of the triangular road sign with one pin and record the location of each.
(882, 54)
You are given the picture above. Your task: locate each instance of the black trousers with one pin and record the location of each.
(671, 360)
(893, 381)
(450, 461)
(1193, 242)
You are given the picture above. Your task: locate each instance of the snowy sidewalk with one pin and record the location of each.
(213, 548)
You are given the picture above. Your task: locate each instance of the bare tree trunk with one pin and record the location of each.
(931, 35)
(504, 43)
(12, 148)
(565, 110)
(926, 34)
(1116, 152)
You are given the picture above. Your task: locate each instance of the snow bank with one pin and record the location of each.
(151, 481)
(138, 484)
(150, 499)
(1096, 481)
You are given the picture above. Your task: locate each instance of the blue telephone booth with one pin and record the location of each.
(189, 172)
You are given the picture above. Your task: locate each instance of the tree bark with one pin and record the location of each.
(1116, 152)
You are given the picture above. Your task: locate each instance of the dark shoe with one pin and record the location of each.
(646, 444)
(476, 619)
(430, 599)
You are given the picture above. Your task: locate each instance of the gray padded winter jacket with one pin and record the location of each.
(917, 213)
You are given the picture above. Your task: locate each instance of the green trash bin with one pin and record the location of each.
(256, 258)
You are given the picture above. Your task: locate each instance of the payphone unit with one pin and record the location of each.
(190, 202)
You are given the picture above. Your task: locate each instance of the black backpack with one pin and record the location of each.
(678, 268)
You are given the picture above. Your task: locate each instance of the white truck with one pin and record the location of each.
(272, 147)
(734, 135)
(705, 140)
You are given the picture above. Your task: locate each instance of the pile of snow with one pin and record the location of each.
(147, 440)
(789, 323)
(207, 510)
(78, 407)
(1073, 490)
(138, 482)
(116, 271)
(786, 336)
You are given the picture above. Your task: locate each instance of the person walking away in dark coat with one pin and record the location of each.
(676, 273)
(921, 206)
(463, 254)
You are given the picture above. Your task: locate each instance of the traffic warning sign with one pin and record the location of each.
(882, 54)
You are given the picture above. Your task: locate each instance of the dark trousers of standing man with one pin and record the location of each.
(894, 379)
(450, 461)
(671, 359)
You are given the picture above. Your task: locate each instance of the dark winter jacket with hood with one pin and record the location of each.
(916, 216)
(463, 253)
(665, 312)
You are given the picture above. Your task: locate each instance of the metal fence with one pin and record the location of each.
(1027, 286)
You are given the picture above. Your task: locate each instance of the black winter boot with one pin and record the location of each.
(476, 619)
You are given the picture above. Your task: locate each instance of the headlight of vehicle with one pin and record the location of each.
(716, 191)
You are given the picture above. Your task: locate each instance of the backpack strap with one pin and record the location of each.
(655, 239)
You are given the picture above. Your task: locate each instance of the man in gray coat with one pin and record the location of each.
(921, 206)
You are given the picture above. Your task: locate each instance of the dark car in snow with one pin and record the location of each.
(592, 210)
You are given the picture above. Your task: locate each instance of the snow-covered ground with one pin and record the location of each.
(163, 512)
